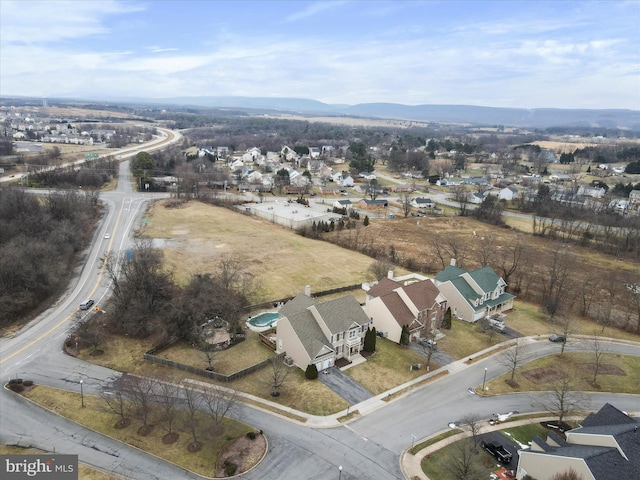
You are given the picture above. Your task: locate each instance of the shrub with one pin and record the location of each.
(311, 373)
(27, 383)
(230, 469)
(16, 387)
(251, 435)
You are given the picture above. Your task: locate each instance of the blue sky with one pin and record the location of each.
(508, 53)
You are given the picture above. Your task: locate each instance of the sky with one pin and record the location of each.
(508, 53)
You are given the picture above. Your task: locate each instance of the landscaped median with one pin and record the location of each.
(224, 449)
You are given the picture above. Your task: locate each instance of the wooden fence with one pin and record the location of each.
(151, 357)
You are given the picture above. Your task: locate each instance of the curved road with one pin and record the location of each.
(368, 447)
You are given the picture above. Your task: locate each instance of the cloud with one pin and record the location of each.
(313, 9)
(50, 22)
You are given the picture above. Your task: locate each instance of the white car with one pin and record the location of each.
(107, 235)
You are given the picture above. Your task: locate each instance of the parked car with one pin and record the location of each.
(497, 324)
(107, 235)
(555, 338)
(431, 343)
(497, 451)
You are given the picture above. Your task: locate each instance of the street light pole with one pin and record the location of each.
(484, 380)
(340, 470)
(81, 393)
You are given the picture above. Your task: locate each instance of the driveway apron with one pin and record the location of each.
(344, 385)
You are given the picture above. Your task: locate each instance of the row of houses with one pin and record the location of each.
(324, 333)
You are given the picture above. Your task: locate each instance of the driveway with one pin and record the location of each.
(344, 385)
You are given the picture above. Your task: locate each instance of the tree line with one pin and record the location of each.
(40, 238)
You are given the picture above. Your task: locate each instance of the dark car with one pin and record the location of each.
(555, 338)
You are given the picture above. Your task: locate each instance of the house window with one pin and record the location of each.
(352, 334)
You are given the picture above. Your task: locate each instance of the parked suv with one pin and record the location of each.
(497, 324)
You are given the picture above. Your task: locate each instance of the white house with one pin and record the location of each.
(508, 194)
(473, 295)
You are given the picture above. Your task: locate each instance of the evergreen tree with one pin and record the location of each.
(446, 322)
(311, 373)
(404, 336)
(366, 221)
(370, 340)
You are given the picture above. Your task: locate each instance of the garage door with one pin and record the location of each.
(324, 364)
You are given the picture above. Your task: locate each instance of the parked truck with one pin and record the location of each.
(498, 451)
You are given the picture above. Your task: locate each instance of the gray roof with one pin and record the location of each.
(297, 304)
(309, 333)
(604, 462)
(340, 314)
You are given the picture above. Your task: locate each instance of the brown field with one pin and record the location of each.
(281, 262)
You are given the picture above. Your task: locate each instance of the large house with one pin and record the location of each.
(321, 333)
(473, 295)
(605, 446)
(419, 306)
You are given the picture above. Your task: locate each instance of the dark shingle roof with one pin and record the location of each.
(384, 286)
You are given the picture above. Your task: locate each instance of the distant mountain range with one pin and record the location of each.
(515, 117)
(540, 118)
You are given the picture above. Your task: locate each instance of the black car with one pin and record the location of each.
(557, 338)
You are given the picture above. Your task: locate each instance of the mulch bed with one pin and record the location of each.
(243, 452)
(605, 369)
(544, 375)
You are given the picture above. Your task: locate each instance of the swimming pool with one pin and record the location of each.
(263, 320)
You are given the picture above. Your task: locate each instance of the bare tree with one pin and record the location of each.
(140, 392)
(116, 402)
(463, 460)
(598, 352)
(380, 268)
(508, 264)
(406, 204)
(562, 400)
(427, 346)
(461, 195)
(485, 327)
(566, 324)
(275, 375)
(513, 357)
(588, 291)
(633, 290)
(570, 474)
(193, 401)
(219, 403)
(471, 422)
(169, 400)
(557, 277)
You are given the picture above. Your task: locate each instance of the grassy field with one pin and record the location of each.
(387, 368)
(619, 373)
(93, 416)
(281, 261)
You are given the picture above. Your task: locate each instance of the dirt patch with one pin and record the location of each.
(544, 375)
(605, 369)
(145, 430)
(120, 424)
(170, 438)
(243, 452)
